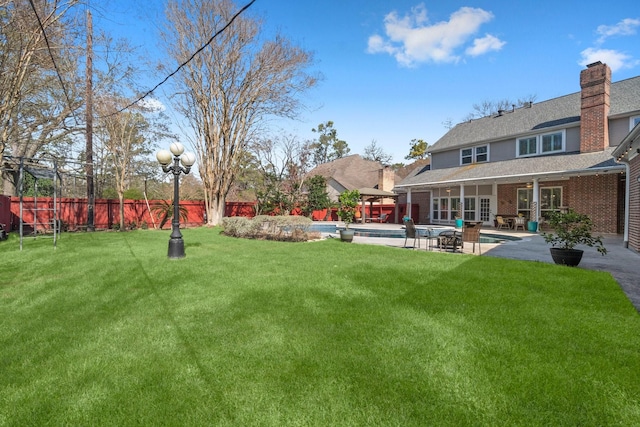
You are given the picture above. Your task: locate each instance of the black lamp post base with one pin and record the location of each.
(176, 248)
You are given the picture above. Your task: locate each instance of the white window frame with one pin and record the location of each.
(562, 144)
(465, 156)
(474, 155)
(546, 209)
(539, 141)
(633, 121)
(535, 153)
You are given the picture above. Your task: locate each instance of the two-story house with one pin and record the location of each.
(628, 154)
(535, 159)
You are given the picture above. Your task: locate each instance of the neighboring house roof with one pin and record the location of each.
(562, 111)
(542, 167)
(351, 172)
(413, 168)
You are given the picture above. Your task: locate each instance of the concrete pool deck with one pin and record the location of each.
(623, 263)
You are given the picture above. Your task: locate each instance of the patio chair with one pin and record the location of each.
(502, 223)
(411, 233)
(471, 234)
(382, 218)
(520, 221)
(431, 238)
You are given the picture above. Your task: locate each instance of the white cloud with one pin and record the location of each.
(152, 104)
(614, 59)
(484, 45)
(410, 39)
(626, 27)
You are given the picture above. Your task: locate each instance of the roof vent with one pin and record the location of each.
(500, 112)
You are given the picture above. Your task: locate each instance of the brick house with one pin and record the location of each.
(628, 153)
(535, 159)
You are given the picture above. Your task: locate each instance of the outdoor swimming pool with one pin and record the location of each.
(484, 238)
(399, 234)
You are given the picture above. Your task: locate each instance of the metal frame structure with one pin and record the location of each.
(38, 169)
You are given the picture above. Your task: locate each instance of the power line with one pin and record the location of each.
(245, 7)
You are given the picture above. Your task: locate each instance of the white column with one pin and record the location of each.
(536, 195)
(462, 201)
(408, 202)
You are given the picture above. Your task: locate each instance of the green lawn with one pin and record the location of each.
(105, 330)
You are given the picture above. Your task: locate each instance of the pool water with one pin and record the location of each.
(323, 228)
(399, 234)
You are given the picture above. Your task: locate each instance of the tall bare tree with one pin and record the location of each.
(283, 163)
(37, 72)
(227, 90)
(489, 107)
(125, 137)
(376, 153)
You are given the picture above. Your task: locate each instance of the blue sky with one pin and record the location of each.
(398, 70)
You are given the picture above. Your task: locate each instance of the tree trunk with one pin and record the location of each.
(215, 210)
(9, 179)
(121, 200)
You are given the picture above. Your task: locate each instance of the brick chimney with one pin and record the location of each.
(595, 85)
(386, 179)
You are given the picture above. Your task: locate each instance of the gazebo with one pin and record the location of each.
(371, 195)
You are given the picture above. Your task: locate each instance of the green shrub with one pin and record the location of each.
(283, 228)
(572, 228)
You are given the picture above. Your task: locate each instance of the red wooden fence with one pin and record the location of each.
(73, 212)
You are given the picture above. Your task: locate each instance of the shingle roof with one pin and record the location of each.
(352, 172)
(546, 167)
(565, 110)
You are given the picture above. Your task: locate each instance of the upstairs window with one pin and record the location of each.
(478, 154)
(633, 121)
(466, 156)
(540, 144)
(552, 142)
(482, 154)
(528, 146)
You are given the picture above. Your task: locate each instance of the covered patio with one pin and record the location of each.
(372, 195)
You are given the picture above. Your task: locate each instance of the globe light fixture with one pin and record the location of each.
(176, 155)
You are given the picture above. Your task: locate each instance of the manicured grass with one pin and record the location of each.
(105, 330)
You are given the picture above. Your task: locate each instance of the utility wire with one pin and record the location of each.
(245, 7)
(55, 66)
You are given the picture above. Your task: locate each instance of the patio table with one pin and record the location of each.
(450, 240)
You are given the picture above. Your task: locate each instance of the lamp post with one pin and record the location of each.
(176, 244)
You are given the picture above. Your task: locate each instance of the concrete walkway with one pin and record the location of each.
(621, 262)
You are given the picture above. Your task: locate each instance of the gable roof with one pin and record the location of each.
(626, 149)
(543, 167)
(414, 168)
(562, 111)
(352, 172)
